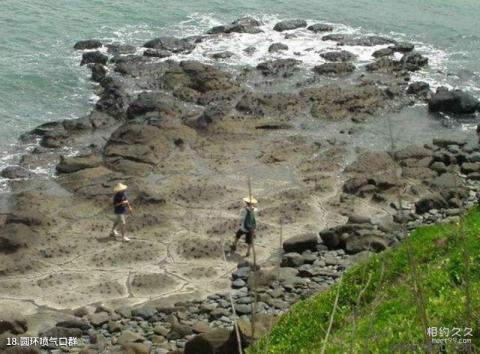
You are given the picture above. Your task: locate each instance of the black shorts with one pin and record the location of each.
(248, 235)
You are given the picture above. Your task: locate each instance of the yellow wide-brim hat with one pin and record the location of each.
(250, 200)
(119, 187)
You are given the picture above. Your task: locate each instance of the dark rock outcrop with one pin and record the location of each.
(94, 58)
(87, 44)
(342, 55)
(289, 25)
(276, 47)
(242, 25)
(320, 27)
(171, 44)
(334, 68)
(453, 101)
(279, 67)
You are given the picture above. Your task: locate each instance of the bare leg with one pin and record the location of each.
(114, 228)
(248, 250)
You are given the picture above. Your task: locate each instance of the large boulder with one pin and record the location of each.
(172, 44)
(242, 25)
(279, 67)
(413, 61)
(320, 27)
(94, 58)
(368, 41)
(87, 44)
(342, 55)
(334, 68)
(276, 47)
(16, 172)
(301, 243)
(289, 25)
(453, 101)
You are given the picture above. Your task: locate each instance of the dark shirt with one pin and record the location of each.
(117, 199)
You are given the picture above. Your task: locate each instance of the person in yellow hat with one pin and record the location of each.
(121, 206)
(248, 224)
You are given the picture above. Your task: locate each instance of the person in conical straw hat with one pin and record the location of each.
(248, 224)
(121, 206)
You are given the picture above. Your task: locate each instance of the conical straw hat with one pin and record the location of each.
(250, 200)
(119, 187)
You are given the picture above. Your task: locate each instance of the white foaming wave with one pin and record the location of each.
(302, 44)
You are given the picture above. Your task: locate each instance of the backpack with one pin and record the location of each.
(250, 223)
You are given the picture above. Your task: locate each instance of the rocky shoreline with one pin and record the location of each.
(185, 135)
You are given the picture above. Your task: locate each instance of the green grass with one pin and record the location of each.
(388, 315)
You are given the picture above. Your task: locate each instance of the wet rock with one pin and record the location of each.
(342, 56)
(171, 44)
(301, 243)
(157, 53)
(368, 41)
(99, 72)
(222, 55)
(276, 47)
(114, 100)
(382, 52)
(419, 88)
(384, 64)
(334, 68)
(279, 67)
(250, 50)
(121, 49)
(77, 163)
(242, 25)
(334, 37)
(455, 101)
(289, 25)
(94, 58)
(402, 47)
(87, 44)
(320, 27)
(414, 61)
(16, 172)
